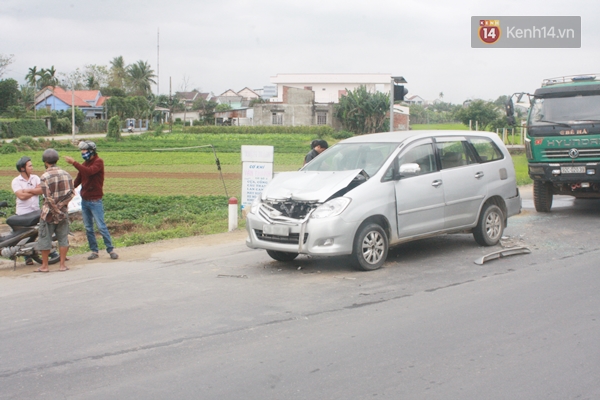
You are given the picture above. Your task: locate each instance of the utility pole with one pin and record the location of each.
(157, 61)
(170, 107)
(73, 110)
(392, 104)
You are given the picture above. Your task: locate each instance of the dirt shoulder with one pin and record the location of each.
(133, 253)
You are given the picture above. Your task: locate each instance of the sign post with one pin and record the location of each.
(257, 172)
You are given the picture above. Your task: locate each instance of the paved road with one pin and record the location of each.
(220, 321)
(77, 137)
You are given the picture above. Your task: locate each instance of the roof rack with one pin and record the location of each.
(571, 79)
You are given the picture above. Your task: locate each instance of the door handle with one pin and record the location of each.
(479, 175)
(436, 183)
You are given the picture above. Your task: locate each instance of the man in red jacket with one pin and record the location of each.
(91, 177)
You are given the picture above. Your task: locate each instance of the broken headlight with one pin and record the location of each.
(331, 208)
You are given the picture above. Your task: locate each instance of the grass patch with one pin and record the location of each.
(521, 170)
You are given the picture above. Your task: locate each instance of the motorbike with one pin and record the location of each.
(22, 239)
(130, 129)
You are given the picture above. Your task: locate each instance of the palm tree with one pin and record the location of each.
(47, 78)
(92, 83)
(118, 73)
(31, 78)
(141, 76)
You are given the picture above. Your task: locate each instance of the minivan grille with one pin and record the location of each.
(289, 212)
(293, 238)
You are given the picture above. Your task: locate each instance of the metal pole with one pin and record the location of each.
(392, 104)
(73, 111)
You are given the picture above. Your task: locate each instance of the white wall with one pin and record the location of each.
(327, 86)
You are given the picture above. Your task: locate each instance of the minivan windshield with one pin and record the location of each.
(348, 156)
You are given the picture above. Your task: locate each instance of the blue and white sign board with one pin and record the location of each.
(257, 172)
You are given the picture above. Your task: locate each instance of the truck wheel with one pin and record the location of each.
(282, 255)
(542, 196)
(370, 247)
(490, 227)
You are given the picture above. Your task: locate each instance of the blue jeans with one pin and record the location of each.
(93, 210)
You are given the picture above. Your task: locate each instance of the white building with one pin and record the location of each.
(328, 88)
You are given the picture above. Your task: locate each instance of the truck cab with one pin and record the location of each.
(563, 139)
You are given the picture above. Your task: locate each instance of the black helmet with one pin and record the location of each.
(50, 156)
(87, 145)
(22, 162)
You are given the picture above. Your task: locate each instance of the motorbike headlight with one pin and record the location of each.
(331, 208)
(255, 205)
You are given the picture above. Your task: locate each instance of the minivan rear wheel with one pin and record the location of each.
(282, 255)
(370, 247)
(490, 227)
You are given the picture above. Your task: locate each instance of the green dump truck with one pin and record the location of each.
(563, 138)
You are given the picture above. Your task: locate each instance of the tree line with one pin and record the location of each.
(130, 89)
(361, 111)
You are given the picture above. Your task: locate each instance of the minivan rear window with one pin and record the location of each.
(486, 149)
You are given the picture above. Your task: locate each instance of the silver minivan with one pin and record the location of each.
(369, 192)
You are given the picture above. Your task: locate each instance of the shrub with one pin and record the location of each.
(114, 128)
(63, 125)
(11, 128)
(8, 148)
(318, 131)
(342, 135)
(27, 142)
(95, 125)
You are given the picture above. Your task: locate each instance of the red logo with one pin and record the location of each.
(489, 30)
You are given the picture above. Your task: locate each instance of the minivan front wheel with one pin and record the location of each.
(370, 247)
(490, 227)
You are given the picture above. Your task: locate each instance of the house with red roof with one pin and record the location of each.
(91, 102)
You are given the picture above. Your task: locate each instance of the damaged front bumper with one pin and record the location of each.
(300, 234)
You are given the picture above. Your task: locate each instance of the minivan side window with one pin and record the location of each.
(486, 149)
(422, 155)
(455, 154)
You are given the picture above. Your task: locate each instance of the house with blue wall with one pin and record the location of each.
(91, 102)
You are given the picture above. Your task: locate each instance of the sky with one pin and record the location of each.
(216, 45)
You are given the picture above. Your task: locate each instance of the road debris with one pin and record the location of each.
(232, 276)
(502, 253)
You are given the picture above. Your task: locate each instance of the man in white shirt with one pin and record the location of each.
(26, 187)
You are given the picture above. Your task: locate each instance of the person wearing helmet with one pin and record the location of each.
(90, 175)
(58, 190)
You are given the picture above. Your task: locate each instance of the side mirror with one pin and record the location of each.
(509, 107)
(410, 169)
(510, 112)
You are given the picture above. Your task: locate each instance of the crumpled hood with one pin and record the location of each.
(308, 185)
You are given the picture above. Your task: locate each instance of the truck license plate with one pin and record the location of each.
(277, 230)
(572, 170)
